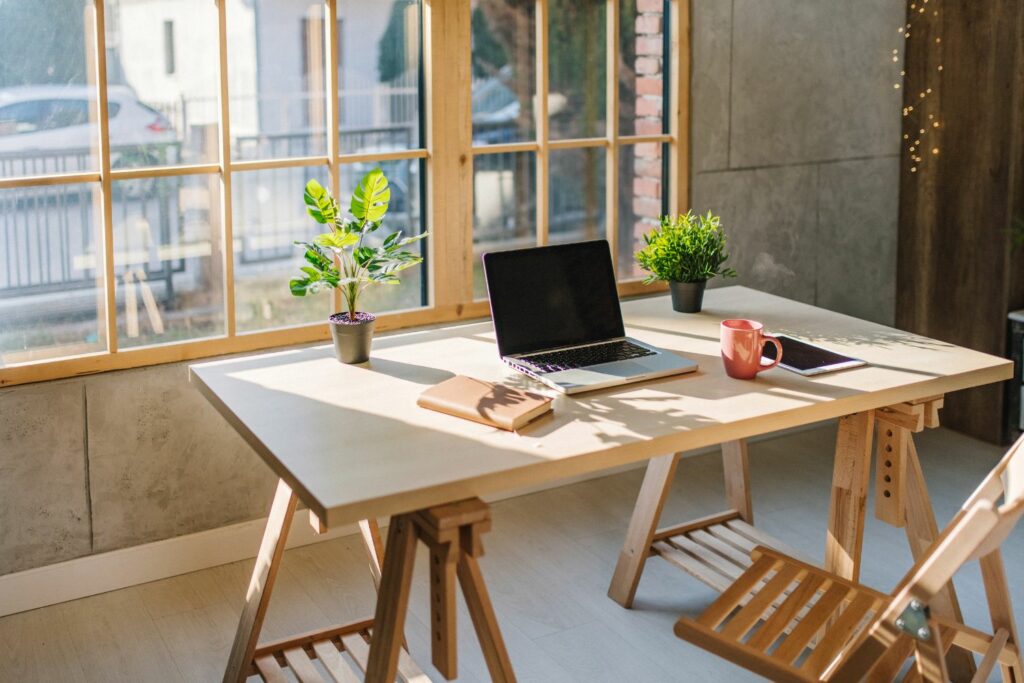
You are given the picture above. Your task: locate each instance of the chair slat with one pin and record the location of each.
(838, 634)
(716, 613)
(762, 600)
(801, 635)
(301, 666)
(740, 653)
(773, 627)
(336, 666)
(692, 565)
(270, 670)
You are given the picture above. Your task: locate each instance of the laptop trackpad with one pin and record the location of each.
(600, 373)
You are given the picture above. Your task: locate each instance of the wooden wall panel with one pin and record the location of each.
(957, 275)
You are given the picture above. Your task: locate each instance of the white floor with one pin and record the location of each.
(549, 559)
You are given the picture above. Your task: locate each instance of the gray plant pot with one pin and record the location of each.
(687, 297)
(352, 340)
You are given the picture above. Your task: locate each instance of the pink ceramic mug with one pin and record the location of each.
(742, 344)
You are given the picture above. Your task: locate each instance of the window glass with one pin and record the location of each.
(405, 213)
(167, 259)
(504, 207)
(379, 75)
(277, 79)
(577, 195)
(166, 85)
(47, 104)
(269, 215)
(642, 200)
(51, 273)
(577, 64)
(641, 67)
(503, 71)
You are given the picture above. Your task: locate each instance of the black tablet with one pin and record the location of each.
(805, 358)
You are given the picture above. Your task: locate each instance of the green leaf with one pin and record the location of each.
(370, 199)
(299, 286)
(337, 240)
(320, 204)
(410, 240)
(363, 255)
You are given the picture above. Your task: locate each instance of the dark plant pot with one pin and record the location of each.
(687, 297)
(352, 339)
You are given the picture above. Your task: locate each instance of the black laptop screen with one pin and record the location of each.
(548, 297)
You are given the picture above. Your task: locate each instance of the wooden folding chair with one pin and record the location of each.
(791, 621)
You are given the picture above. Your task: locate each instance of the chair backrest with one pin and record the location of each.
(980, 528)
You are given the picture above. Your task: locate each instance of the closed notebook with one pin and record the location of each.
(496, 405)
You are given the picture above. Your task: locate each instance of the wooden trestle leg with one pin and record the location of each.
(646, 513)
(257, 598)
(452, 534)
(901, 499)
(643, 536)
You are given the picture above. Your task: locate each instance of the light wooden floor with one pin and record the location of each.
(549, 559)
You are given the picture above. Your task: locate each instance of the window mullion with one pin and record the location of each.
(100, 66)
(612, 127)
(333, 122)
(227, 226)
(448, 77)
(541, 113)
(678, 182)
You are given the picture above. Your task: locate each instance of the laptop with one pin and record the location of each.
(557, 319)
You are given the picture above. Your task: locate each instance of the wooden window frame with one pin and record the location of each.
(448, 153)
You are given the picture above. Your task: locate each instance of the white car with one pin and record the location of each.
(54, 118)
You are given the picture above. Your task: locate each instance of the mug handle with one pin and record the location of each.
(778, 352)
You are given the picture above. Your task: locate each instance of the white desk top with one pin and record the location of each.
(353, 444)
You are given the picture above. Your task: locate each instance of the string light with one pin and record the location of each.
(915, 150)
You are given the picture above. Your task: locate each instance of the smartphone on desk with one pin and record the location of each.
(809, 359)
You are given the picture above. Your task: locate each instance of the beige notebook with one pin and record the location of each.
(491, 404)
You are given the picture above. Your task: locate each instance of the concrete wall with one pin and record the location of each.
(796, 127)
(114, 460)
(795, 131)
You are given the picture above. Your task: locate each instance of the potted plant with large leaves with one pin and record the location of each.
(350, 258)
(685, 251)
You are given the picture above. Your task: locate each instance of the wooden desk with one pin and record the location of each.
(350, 442)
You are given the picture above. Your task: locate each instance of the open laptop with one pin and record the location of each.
(557, 318)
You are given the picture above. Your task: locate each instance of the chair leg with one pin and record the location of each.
(646, 513)
(931, 660)
(997, 592)
(922, 530)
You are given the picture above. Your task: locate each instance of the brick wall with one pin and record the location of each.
(648, 116)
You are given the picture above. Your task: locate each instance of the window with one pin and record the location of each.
(563, 149)
(149, 199)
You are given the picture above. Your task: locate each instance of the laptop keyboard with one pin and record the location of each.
(583, 356)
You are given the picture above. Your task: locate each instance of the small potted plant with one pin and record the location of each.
(685, 251)
(344, 258)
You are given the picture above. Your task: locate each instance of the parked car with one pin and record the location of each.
(53, 118)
